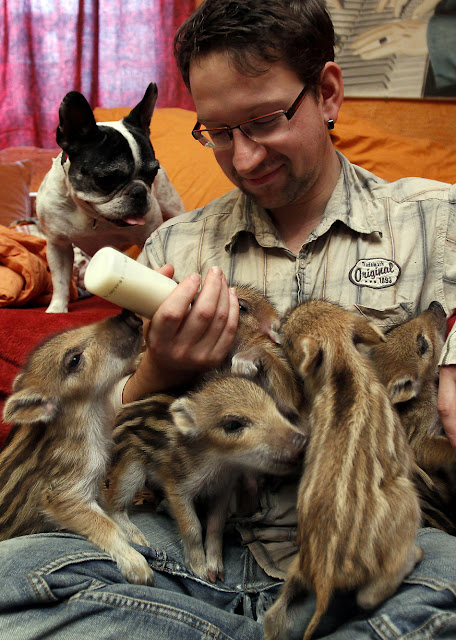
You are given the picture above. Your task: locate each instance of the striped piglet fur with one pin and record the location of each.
(197, 446)
(55, 459)
(358, 511)
(241, 422)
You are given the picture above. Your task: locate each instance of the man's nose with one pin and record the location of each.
(247, 154)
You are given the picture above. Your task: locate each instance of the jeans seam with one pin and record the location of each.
(431, 583)
(173, 613)
(39, 585)
(385, 623)
(65, 560)
(429, 628)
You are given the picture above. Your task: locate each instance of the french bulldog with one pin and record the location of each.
(106, 188)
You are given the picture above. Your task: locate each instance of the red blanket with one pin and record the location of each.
(23, 329)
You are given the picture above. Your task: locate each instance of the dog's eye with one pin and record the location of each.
(109, 183)
(148, 175)
(243, 306)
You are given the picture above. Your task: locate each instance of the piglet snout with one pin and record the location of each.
(130, 319)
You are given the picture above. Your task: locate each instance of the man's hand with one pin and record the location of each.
(181, 342)
(446, 403)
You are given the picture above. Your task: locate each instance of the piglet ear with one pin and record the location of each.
(26, 407)
(311, 355)
(184, 416)
(402, 388)
(366, 332)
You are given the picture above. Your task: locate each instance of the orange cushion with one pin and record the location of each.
(15, 180)
(198, 178)
(392, 156)
(41, 160)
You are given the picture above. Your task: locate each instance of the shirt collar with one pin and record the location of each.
(349, 204)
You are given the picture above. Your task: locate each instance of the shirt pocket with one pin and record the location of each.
(387, 317)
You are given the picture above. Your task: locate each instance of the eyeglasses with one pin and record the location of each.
(259, 129)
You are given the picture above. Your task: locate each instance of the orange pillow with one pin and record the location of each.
(391, 156)
(15, 180)
(41, 160)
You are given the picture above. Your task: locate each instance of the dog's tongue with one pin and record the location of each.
(139, 220)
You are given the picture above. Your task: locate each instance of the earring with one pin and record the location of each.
(331, 124)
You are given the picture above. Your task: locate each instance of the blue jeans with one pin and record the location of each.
(58, 585)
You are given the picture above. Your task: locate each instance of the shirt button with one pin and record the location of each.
(302, 263)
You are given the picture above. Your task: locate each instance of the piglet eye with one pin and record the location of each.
(422, 345)
(234, 424)
(72, 362)
(75, 360)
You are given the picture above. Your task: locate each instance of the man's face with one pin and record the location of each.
(288, 169)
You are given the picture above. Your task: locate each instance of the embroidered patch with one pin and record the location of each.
(376, 273)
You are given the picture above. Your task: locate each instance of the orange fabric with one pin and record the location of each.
(14, 191)
(382, 148)
(24, 256)
(41, 160)
(409, 117)
(392, 156)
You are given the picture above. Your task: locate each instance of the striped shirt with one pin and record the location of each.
(384, 249)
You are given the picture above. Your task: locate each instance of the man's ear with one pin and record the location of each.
(331, 90)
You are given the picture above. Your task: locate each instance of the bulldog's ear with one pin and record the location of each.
(141, 115)
(77, 123)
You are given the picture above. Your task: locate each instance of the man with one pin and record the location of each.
(305, 223)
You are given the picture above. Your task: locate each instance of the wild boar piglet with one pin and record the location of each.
(257, 353)
(358, 512)
(196, 447)
(407, 364)
(53, 464)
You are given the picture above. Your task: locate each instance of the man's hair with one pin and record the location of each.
(256, 33)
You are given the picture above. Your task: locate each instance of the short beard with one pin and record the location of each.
(293, 190)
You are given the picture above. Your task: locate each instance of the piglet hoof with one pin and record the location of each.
(213, 576)
(215, 570)
(138, 538)
(197, 564)
(136, 569)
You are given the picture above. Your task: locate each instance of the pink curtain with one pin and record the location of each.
(109, 50)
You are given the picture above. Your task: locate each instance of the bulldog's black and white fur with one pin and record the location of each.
(105, 189)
